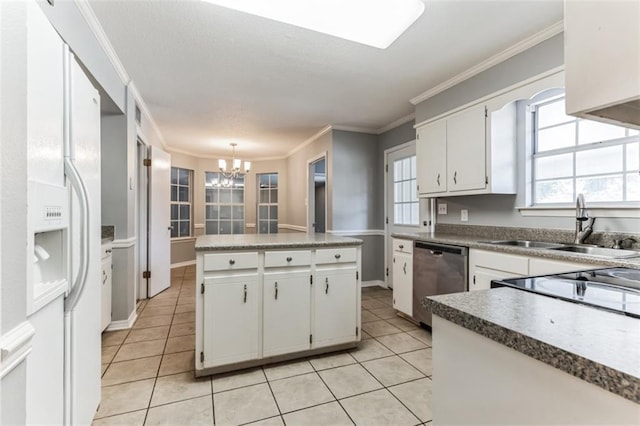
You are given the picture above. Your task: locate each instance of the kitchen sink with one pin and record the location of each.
(599, 251)
(526, 243)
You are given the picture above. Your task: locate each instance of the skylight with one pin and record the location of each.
(376, 23)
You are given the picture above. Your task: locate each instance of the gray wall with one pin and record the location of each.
(13, 188)
(114, 150)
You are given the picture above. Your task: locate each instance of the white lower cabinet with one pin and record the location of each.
(107, 272)
(335, 311)
(286, 306)
(231, 320)
(402, 276)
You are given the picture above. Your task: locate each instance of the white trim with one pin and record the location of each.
(126, 243)
(363, 232)
(543, 75)
(250, 225)
(15, 345)
(292, 227)
(181, 264)
(509, 52)
(374, 283)
(396, 123)
(145, 111)
(354, 129)
(617, 212)
(198, 226)
(124, 324)
(87, 12)
(309, 141)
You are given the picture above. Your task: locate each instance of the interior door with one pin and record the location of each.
(402, 206)
(159, 250)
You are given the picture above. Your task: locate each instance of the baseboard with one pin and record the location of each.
(123, 324)
(181, 264)
(374, 283)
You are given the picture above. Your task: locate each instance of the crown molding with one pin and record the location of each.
(91, 18)
(354, 129)
(400, 121)
(309, 141)
(145, 111)
(509, 52)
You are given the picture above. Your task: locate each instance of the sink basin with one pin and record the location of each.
(599, 251)
(525, 243)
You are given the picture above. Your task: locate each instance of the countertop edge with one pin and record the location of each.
(353, 242)
(607, 378)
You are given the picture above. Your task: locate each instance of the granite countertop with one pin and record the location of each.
(597, 346)
(476, 241)
(271, 241)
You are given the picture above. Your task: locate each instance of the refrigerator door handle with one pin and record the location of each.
(78, 186)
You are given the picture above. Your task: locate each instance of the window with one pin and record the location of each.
(224, 204)
(405, 193)
(573, 155)
(267, 203)
(180, 202)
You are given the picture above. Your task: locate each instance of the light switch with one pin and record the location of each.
(442, 208)
(464, 215)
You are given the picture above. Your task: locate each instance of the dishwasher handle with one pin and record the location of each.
(440, 249)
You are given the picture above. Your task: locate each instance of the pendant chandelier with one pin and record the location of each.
(228, 176)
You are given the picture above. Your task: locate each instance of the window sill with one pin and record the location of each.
(598, 211)
(179, 239)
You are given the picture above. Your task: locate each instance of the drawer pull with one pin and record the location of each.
(232, 262)
(326, 288)
(289, 259)
(337, 256)
(276, 290)
(245, 293)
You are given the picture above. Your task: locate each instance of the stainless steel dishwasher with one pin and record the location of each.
(437, 269)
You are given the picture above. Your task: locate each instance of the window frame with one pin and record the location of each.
(414, 200)
(270, 204)
(231, 204)
(178, 203)
(534, 154)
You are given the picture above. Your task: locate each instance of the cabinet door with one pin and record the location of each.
(539, 266)
(481, 278)
(286, 313)
(466, 150)
(403, 282)
(231, 324)
(431, 158)
(106, 293)
(335, 306)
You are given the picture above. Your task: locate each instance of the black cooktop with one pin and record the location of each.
(614, 289)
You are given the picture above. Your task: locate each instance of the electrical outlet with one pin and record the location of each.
(442, 208)
(464, 215)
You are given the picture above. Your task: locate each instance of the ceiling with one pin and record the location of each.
(210, 76)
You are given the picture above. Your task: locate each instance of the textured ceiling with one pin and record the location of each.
(211, 76)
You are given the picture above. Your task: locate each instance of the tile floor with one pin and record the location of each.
(148, 373)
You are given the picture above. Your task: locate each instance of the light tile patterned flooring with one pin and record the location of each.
(148, 373)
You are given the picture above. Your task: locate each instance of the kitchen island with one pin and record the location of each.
(505, 356)
(267, 298)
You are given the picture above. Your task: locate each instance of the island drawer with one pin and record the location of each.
(336, 255)
(230, 261)
(275, 259)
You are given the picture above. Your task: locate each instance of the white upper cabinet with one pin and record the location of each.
(431, 157)
(466, 150)
(602, 60)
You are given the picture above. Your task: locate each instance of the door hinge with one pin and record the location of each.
(147, 162)
(311, 279)
(486, 113)
(386, 220)
(356, 331)
(386, 273)
(357, 275)
(474, 279)
(146, 274)
(201, 356)
(310, 338)
(386, 168)
(202, 288)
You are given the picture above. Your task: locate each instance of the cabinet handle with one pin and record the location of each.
(455, 177)
(401, 246)
(404, 268)
(245, 294)
(438, 179)
(104, 277)
(108, 251)
(276, 290)
(289, 259)
(326, 288)
(232, 262)
(337, 256)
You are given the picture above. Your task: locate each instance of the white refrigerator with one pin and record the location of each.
(64, 225)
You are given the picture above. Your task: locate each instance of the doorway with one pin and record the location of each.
(142, 220)
(317, 195)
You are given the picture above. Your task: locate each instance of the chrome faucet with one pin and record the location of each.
(582, 215)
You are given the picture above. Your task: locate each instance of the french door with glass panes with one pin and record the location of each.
(224, 204)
